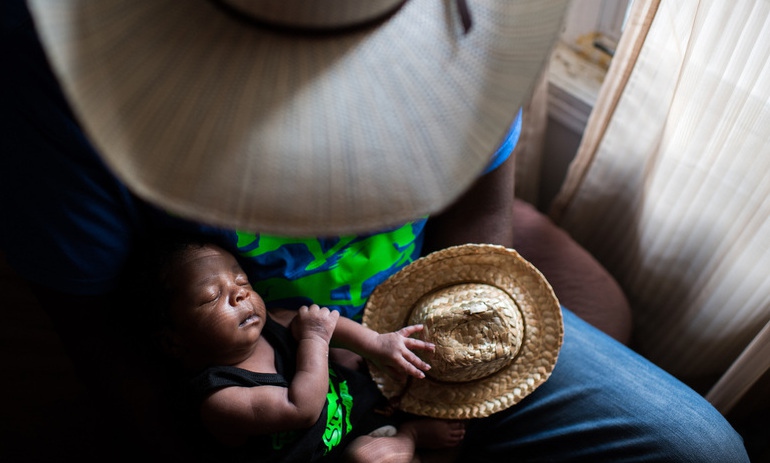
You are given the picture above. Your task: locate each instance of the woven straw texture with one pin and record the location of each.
(495, 321)
(245, 127)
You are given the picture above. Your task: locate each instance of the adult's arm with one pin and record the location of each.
(483, 214)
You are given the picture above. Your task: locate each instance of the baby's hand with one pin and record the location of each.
(314, 322)
(393, 353)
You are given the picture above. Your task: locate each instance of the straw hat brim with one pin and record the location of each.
(238, 126)
(390, 305)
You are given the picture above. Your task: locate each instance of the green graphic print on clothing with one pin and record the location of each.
(339, 273)
(339, 404)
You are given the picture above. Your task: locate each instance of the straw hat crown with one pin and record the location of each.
(477, 330)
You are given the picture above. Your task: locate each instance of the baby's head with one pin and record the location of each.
(212, 316)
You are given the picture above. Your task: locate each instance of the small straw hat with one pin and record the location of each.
(494, 319)
(297, 117)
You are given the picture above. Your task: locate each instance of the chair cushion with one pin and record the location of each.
(580, 282)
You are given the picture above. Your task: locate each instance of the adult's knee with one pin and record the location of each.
(698, 441)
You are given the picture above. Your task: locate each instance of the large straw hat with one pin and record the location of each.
(494, 319)
(297, 117)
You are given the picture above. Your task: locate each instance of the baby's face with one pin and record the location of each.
(214, 307)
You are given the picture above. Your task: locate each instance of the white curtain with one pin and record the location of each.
(670, 188)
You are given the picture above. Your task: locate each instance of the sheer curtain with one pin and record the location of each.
(670, 188)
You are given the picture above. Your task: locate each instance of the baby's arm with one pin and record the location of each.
(391, 352)
(232, 413)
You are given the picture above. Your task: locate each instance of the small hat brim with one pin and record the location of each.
(390, 305)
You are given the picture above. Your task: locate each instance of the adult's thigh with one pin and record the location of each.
(604, 402)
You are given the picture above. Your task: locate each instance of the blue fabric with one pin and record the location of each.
(509, 143)
(339, 273)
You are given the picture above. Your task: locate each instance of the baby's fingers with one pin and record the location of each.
(412, 344)
(410, 330)
(414, 365)
(411, 369)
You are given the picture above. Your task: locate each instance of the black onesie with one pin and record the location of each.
(349, 410)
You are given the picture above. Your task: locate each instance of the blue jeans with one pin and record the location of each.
(604, 402)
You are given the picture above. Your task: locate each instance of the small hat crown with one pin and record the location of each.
(477, 329)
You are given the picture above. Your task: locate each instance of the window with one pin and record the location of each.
(595, 24)
(577, 68)
(580, 60)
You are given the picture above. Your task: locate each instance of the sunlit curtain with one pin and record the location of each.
(670, 188)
